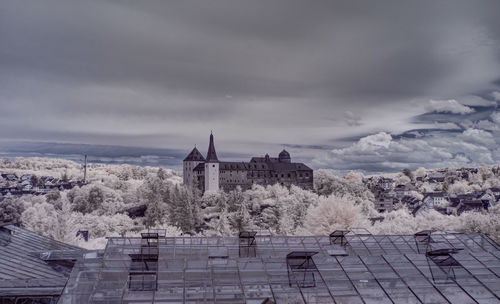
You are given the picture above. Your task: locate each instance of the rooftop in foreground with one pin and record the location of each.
(33, 266)
(345, 267)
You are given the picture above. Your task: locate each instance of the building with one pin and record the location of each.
(386, 183)
(385, 203)
(433, 199)
(33, 268)
(210, 174)
(348, 266)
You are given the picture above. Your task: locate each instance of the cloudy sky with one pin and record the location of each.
(365, 85)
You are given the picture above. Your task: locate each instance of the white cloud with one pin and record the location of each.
(472, 100)
(495, 116)
(496, 95)
(352, 119)
(478, 137)
(382, 152)
(446, 126)
(487, 125)
(374, 142)
(448, 106)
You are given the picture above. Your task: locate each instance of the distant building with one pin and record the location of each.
(386, 183)
(434, 198)
(384, 203)
(210, 174)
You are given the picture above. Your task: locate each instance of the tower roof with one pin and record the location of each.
(195, 155)
(284, 154)
(211, 154)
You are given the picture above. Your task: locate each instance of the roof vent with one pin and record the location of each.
(423, 240)
(144, 265)
(247, 244)
(301, 269)
(338, 237)
(445, 262)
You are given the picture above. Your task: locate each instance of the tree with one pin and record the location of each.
(407, 172)
(34, 180)
(152, 191)
(219, 225)
(66, 228)
(161, 174)
(240, 219)
(326, 183)
(460, 187)
(354, 176)
(183, 209)
(421, 172)
(333, 213)
(52, 196)
(87, 198)
(402, 179)
(42, 219)
(64, 177)
(10, 211)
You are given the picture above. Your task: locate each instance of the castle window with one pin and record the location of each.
(263, 166)
(307, 174)
(282, 175)
(289, 175)
(213, 166)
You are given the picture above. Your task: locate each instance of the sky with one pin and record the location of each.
(375, 86)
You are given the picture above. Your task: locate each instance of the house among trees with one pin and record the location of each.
(210, 174)
(434, 198)
(437, 177)
(386, 183)
(385, 203)
(12, 186)
(459, 205)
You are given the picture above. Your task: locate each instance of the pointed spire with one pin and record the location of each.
(211, 155)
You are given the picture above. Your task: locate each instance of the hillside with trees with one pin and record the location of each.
(124, 200)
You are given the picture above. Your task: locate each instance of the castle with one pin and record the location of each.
(210, 174)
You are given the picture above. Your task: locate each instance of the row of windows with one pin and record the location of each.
(252, 174)
(258, 174)
(245, 167)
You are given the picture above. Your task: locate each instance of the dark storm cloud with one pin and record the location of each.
(260, 73)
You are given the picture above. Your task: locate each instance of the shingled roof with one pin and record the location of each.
(29, 263)
(195, 155)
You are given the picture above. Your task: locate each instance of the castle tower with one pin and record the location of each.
(211, 168)
(189, 163)
(284, 157)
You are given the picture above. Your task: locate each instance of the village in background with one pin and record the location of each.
(81, 204)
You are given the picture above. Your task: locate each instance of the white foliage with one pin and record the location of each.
(333, 213)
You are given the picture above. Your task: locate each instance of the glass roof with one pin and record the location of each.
(372, 269)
